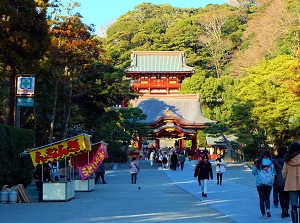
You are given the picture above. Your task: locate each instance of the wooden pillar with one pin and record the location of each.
(194, 142)
(181, 144)
(140, 142)
(157, 143)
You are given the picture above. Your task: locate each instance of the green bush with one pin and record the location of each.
(14, 168)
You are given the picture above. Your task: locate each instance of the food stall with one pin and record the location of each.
(65, 150)
(86, 165)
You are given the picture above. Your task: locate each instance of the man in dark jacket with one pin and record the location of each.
(205, 173)
(174, 161)
(279, 182)
(100, 173)
(40, 178)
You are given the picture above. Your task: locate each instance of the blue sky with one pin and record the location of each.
(103, 12)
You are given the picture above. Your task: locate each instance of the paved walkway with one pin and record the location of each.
(236, 198)
(164, 196)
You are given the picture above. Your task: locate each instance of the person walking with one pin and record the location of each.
(280, 182)
(182, 160)
(160, 160)
(100, 173)
(197, 169)
(152, 157)
(134, 169)
(219, 163)
(205, 173)
(146, 155)
(290, 172)
(264, 171)
(165, 160)
(174, 160)
(198, 152)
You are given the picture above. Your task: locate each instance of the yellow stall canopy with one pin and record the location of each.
(60, 150)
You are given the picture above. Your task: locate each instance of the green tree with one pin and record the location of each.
(272, 104)
(120, 128)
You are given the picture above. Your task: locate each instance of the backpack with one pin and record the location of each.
(265, 175)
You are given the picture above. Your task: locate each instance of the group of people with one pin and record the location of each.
(283, 173)
(164, 160)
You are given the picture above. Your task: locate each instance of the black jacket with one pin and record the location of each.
(278, 164)
(205, 171)
(37, 175)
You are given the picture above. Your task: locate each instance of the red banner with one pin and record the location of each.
(90, 168)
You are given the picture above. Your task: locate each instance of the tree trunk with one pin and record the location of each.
(51, 129)
(67, 117)
(68, 111)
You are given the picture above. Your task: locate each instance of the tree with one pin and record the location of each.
(272, 104)
(120, 128)
(23, 41)
(218, 25)
(73, 51)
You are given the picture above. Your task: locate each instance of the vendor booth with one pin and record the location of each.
(86, 164)
(60, 188)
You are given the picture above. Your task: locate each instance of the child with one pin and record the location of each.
(134, 169)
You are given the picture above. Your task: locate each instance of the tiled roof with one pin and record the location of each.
(187, 108)
(158, 61)
(219, 141)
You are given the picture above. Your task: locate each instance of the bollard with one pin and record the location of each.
(13, 196)
(4, 196)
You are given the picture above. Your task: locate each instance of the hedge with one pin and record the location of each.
(14, 168)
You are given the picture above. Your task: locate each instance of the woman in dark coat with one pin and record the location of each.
(205, 173)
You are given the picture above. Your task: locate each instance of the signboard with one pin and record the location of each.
(90, 168)
(60, 150)
(25, 102)
(25, 85)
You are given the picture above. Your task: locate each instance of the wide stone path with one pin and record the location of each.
(164, 196)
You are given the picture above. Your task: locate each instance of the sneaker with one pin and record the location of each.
(287, 214)
(268, 213)
(204, 195)
(263, 216)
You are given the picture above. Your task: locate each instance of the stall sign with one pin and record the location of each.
(60, 150)
(90, 168)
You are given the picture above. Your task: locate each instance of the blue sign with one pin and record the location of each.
(25, 102)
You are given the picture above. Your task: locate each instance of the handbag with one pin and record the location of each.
(222, 169)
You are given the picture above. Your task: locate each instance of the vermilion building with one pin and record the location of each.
(157, 76)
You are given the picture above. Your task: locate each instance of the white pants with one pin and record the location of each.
(204, 186)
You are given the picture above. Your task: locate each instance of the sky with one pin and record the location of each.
(104, 12)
